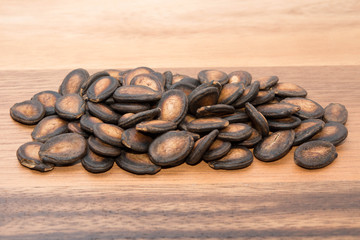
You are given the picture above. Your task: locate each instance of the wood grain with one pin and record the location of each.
(42, 34)
(266, 200)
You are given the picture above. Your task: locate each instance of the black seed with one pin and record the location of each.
(27, 112)
(28, 156)
(137, 163)
(236, 158)
(95, 163)
(49, 127)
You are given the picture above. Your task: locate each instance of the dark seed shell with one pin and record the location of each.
(207, 124)
(103, 112)
(267, 82)
(148, 80)
(187, 119)
(257, 119)
(249, 95)
(289, 90)
(137, 163)
(102, 148)
(48, 100)
(135, 140)
(102, 88)
(236, 158)
(214, 110)
(184, 87)
(308, 108)
(156, 126)
(130, 120)
(173, 105)
(213, 75)
(254, 139)
(284, 123)
(70, 106)
(240, 77)
(307, 129)
(136, 93)
(235, 132)
(91, 80)
(73, 81)
(75, 127)
(333, 132)
(49, 127)
(239, 116)
(278, 110)
(203, 97)
(28, 156)
(190, 80)
(217, 150)
(171, 148)
(263, 97)
(195, 136)
(275, 146)
(95, 163)
(315, 154)
(178, 77)
(27, 112)
(200, 147)
(109, 133)
(230, 92)
(168, 79)
(63, 149)
(87, 122)
(335, 112)
(117, 74)
(130, 107)
(134, 72)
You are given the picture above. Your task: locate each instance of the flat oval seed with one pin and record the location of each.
(87, 122)
(178, 77)
(189, 80)
(156, 126)
(85, 86)
(27, 112)
(249, 95)
(95, 163)
(203, 97)
(137, 163)
(102, 88)
(75, 127)
(230, 92)
(289, 90)
(28, 156)
(63, 149)
(117, 74)
(333, 132)
(130, 107)
(254, 139)
(135, 140)
(308, 108)
(268, 82)
(134, 72)
(239, 116)
(275, 146)
(213, 75)
(136, 93)
(73, 81)
(207, 124)
(171, 148)
(307, 129)
(184, 87)
(109, 133)
(284, 123)
(315, 154)
(187, 119)
(240, 77)
(335, 112)
(200, 147)
(263, 97)
(217, 150)
(49, 127)
(236, 158)
(103, 112)
(102, 148)
(257, 119)
(173, 106)
(148, 80)
(48, 100)
(214, 110)
(130, 119)
(235, 132)
(70, 106)
(278, 110)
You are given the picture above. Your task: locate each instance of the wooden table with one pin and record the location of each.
(266, 200)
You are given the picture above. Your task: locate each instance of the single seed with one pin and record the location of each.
(278, 110)
(335, 112)
(333, 132)
(240, 77)
(135, 140)
(239, 116)
(249, 95)
(203, 97)
(75, 127)
(213, 75)
(102, 148)
(173, 105)
(103, 112)
(230, 92)
(214, 110)
(307, 129)
(200, 147)
(206, 124)
(263, 97)
(87, 122)
(289, 90)
(308, 108)
(28, 156)
(27, 112)
(137, 163)
(156, 126)
(109, 133)
(134, 72)
(284, 123)
(184, 87)
(257, 119)
(236, 158)
(268, 82)
(315, 154)
(70, 106)
(102, 88)
(85, 86)
(117, 74)
(168, 76)
(95, 163)
(217, 150)
(48, 100)
(235, 132)
(136, 93)
(148, 80)
(254, 139)
(131, 119)
(73, 81)
(49, 127)
(130, 107)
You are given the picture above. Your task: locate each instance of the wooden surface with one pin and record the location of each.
(266, 200)
(57, 34)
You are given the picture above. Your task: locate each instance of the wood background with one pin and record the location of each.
(41, 41)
